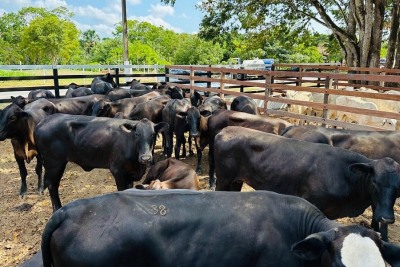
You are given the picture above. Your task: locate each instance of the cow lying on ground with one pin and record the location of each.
(170, 174)
(339, 182)
(193, 228)
(18, 125)
(122, 146)
(224, 118)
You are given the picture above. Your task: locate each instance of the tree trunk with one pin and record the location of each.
(393, 40)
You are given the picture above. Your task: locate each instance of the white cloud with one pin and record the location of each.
(49, 4)
(97, 14)
(157, 22)
(183, 15)
(160, 11)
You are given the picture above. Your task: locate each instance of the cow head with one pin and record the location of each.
(101, 109)
(109, 79)
(145, 132)
(175, 92)
(193, 121)
(383, 179)
(349, 246)
(10, 120)
(196, 99)
(20, 101)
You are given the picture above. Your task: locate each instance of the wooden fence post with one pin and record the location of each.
(268, 91)
(222, 85)
(209, 76)
(328, 84)
(166, 78)
(116, 70)
(191, 80)
(56, 83)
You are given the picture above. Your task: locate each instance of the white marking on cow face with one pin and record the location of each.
(358, 251)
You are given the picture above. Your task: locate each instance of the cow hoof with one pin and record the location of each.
(198, 170)
(212, 188)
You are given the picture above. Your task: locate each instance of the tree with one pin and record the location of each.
(356, 25)
(88, 40)
(49, 40)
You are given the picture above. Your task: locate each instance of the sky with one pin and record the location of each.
(102, 15)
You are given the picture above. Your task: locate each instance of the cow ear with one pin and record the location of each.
(161, 127)
(313, 246)
(127, 127)
(361, 169)
(391, 253)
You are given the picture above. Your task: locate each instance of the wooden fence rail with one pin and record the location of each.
(325, 80)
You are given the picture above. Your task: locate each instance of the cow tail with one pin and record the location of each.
(54, 222)
(286, 130)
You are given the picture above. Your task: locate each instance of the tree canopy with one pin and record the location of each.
(359, 27)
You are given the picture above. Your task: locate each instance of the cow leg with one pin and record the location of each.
(23, 173)
(52, 178)
(169, 144)
(211, 165)
(178, 146)
(190, 146)
(39, 169)
(379, 227)
(121, 178)
(199, 152)
(183, 147)
(384, 232)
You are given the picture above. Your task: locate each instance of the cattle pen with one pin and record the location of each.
(302, 92)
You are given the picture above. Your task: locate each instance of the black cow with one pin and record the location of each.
(137, 85)
(81, 105)
(197, 118)
(224, 118)
(18, 125)
(123, 106)
(122, 146)
(75, 90)
(151, 109)
(194, 228)
(196, 99)
(372, 144)
(339, 182)
(174, 113)
(102, 84)
(170, 174)
(245, 104)
(40, 93)
(118, 93)
(20, 101)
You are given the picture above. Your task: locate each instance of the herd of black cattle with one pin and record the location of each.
(304, 177)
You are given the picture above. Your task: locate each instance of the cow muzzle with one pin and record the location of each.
(386, 220)
(145, 159)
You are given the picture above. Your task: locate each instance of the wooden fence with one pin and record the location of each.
(326, 80)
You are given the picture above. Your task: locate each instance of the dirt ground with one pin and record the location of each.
(22, 220)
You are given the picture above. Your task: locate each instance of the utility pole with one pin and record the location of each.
(125, 39)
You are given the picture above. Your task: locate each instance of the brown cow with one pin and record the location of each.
(170, 174)
(224, 118)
